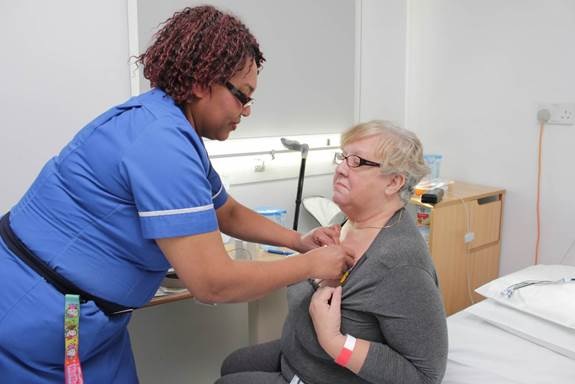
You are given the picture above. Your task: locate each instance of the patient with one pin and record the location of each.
(382, 323)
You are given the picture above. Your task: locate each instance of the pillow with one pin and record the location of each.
(553, 302)
(532, 328)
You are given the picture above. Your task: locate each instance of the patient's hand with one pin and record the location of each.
(325, 313)
(319, 237)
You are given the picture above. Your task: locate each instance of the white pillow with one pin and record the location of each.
(539, 331)
(553, 302)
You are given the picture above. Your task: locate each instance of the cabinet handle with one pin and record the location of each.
(488, 199)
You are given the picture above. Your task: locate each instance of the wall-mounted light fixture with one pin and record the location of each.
(252, 160)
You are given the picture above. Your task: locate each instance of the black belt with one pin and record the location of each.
(60, 283)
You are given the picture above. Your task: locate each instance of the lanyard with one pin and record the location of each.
(72, 368)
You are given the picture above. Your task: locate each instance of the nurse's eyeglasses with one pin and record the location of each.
(354, 161)
(244, 99)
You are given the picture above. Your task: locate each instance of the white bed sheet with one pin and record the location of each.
(481, 353)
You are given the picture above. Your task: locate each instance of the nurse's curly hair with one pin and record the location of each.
(198, 46)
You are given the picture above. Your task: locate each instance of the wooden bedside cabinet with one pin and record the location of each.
(463, 233)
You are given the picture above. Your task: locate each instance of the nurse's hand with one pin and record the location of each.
(330, 262)
(319, 237)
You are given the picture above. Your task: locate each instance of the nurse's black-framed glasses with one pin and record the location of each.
(244, 99)
(354, 161)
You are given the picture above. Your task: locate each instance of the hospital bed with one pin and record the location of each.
(525, 335)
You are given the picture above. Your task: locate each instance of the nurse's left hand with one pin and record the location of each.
(319, 237)
(325, 312)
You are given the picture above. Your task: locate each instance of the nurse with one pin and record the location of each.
(133, 194)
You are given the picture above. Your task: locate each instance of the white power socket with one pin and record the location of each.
(560, 113)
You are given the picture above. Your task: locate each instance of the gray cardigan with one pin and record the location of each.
(392, 299)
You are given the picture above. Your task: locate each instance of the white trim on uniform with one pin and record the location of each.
(176, 211)
(217, 194)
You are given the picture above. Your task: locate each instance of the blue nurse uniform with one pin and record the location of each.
(136, 173)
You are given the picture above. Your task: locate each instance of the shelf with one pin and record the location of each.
(168, 298)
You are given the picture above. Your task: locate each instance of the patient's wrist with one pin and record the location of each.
(333, 345)
(346, 351)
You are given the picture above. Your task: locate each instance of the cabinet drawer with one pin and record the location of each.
(485, 220)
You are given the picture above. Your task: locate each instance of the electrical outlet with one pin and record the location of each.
(561, 113)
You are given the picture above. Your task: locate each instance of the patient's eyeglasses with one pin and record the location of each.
(354, 161)
(244, 99)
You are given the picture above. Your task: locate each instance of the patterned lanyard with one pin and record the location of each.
(72, 368)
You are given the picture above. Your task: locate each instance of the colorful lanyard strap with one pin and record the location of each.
(72, 368)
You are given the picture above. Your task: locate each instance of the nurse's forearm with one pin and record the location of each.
(241, 222)
(244, 281)
(202, 263)
(204, 266)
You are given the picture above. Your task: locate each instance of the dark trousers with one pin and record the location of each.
(258, 364)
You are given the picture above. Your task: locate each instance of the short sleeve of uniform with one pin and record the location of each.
(175, 189)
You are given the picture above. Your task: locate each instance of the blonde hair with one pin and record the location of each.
(398, 150)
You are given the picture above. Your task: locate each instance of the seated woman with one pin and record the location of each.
(383, 322)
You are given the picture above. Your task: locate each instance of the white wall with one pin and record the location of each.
(63, 63)
(383, 60)
(299, 90)
(476, 72)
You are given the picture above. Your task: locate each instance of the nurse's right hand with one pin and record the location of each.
(330, 262)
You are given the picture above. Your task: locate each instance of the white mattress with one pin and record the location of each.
(481, 353)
